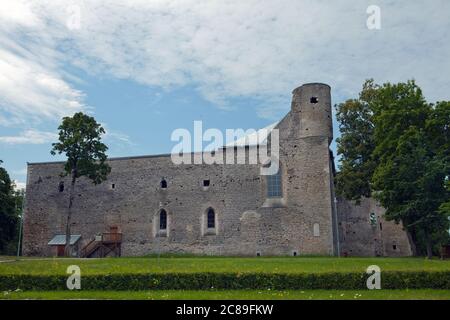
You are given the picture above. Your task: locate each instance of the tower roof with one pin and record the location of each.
(251, 140)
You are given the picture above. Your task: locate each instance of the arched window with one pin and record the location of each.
(274, 185)
(163, 184)
(162, 220)
(211, 217)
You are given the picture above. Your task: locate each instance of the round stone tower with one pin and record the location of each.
(311, 102)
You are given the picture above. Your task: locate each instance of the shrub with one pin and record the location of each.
(230, 281)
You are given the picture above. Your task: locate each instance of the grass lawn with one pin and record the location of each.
(189, 264)
(236, 294)
(177, 264)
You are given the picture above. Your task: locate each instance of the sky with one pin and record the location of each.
(144, 68)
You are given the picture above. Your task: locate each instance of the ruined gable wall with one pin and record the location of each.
(358, 237)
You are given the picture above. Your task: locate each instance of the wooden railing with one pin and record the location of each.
(108, 239)
(87, 249)
(111, 237)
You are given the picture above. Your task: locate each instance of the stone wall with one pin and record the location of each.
(359, 236)
(247, 221)
(245, 225)
(302, 221)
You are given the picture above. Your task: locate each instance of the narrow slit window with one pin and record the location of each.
(373, 219)
(163, 220)
(61, 186)
(274, 185)
(211, 216)
(316, 230)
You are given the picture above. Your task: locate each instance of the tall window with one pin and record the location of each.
(163, 184)
(274, 185)
(211, 216)
(162, 220)
(316, 230)
(373, 219)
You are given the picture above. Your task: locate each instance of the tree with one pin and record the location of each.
(8, 212)
(80, 140)
(395, 146)
(19, 199)
(412, 189)
(439, 128)
(444, 209)
(356, 145)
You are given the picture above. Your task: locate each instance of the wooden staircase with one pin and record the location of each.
(108, 244)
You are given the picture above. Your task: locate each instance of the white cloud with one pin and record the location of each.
(226, 49)
(30, 137)
(119, 138)
(32, 84)
(28, 90)
(18, 12)
(19, 185)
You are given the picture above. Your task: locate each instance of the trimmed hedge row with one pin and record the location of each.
(231, 281)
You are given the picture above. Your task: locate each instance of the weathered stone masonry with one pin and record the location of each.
(304, 220)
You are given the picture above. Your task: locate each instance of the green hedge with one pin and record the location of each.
(230, 281)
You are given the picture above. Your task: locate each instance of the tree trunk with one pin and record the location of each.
(412, 241)
(68, 249)
(429, 247)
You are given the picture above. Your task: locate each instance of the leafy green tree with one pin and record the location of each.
(19, 199)
(411, 184)
(444, 209)
(356, 145)
(8, 212)
(439, 127)
(395, 146)
(80, 140)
